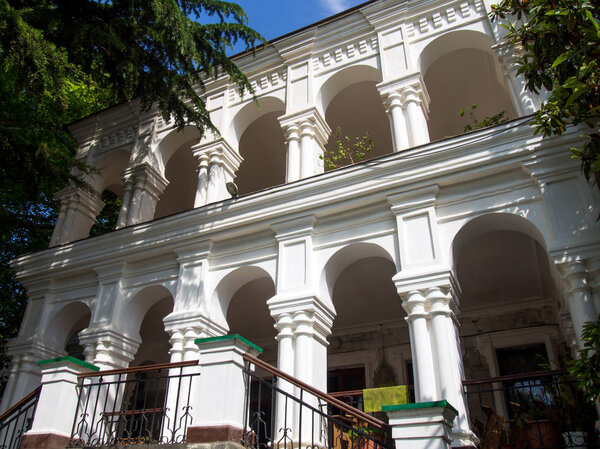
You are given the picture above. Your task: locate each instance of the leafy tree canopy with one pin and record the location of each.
(61, 60)
(560, 40)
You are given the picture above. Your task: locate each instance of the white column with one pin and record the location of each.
(525, 102)
(202, 186)
(407, 100)
(307, 136)
(147, 186)
(423, 367)
(394, 107)
(127, 192)
(417, 120)
(215, 190)
(449, 360)
(307, 153)
(79, 209)
(218, 162)
(284, 410)
(580, 302)
(25, 373)
(293, 154)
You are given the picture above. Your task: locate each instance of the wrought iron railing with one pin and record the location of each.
(530, 411)
(17, 420)
(284, 413)
(142, 405)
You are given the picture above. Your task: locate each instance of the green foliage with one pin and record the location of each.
(561, 53)
(496, 119)
(586, 369)
(347, 151)
(106, 220)
(61, 60)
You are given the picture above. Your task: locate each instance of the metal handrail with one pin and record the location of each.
(524, 376)
(136, 369)
(317, 393)
(342, 394)
(8, 412)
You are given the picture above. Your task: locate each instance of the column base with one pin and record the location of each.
(212, 434)
(43, 441)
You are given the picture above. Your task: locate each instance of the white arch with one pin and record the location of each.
(172, 142)
(341, 79)
(342, 259)
(449, 42)
(137, 305)
(489, 222)
(110, 167)
(228, 285)
(62, 323)
(249, 113)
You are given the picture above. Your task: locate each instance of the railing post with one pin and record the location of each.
(57, 405)
(218, 405)
(425, 425)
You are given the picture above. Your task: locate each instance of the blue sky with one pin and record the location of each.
(274, 18)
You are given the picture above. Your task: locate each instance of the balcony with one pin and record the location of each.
(538, 410)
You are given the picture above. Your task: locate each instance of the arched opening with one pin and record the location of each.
(109, 184)
(241, 301)
(155, 345)
(461, 70)
(510, 320)
(370, 344)
(353, 104)
(64, 328)
(142, 320)
(263, 148)
(261, 145)
(180, 170)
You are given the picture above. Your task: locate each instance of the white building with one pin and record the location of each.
(427, 264)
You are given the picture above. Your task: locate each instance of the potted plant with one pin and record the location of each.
(365, 437)
(535, 425)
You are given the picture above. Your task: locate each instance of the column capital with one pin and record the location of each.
(80, 199)
(31, 350)
(218, 152)
(307, 122)
(442, 278)
(108, 348)
(195, 321)
(146, 177)
(305, 314)
(574, 273)
(404, 90)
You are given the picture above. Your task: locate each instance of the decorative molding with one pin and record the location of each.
(345, 53)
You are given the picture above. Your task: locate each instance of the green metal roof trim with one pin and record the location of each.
(228, 337)
(418, 405)
(69, 358)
